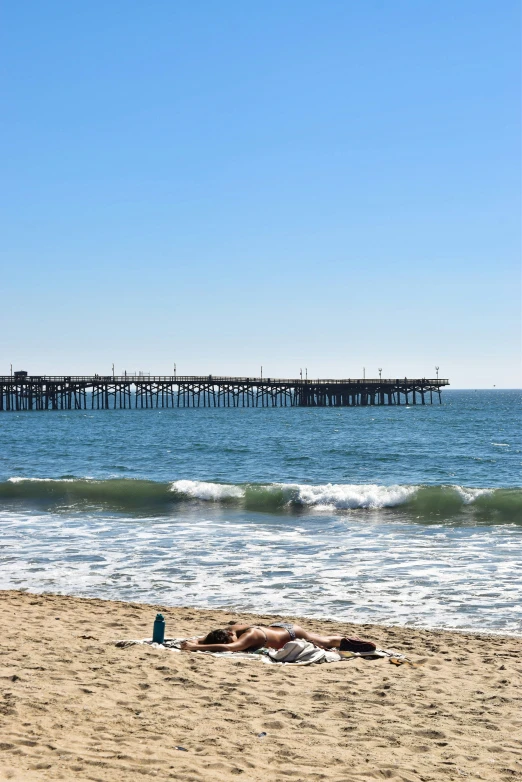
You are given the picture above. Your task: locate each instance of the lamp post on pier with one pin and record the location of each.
(437, 371)
(380, 374)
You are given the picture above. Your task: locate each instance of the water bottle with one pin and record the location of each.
(158, 631)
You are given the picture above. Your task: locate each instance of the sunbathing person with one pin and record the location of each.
(250, 638)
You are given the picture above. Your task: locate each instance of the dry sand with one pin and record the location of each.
(75, 707)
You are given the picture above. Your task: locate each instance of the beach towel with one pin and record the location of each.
(298, 652)
(174, 644)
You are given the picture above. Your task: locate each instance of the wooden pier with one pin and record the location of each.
(25, 392)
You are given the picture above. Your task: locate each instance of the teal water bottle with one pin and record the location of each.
(158, 631)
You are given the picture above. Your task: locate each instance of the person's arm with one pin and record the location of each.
(191, 646)
(247, 640)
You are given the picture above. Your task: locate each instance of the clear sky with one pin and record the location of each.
(324, 185)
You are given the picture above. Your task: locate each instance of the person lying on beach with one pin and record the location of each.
(250, 638)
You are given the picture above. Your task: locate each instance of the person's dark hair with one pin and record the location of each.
(218, 637)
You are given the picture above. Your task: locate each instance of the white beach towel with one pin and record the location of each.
(298, 652)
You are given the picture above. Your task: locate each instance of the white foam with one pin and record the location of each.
(20, 479)
(322, 497)
(470, 495)
(203, 490)
(384, 572)
(346, 496)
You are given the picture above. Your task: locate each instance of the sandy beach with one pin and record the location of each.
(73, 706)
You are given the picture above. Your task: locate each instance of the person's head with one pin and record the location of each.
(221, 636)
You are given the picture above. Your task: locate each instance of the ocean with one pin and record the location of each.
(390, 515)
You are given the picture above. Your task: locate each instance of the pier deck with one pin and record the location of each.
(26, 392)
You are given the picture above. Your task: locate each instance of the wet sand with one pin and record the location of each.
(73, 706)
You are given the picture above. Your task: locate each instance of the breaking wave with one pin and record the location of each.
(440, 501)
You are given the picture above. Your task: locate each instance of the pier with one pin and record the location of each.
(108, 392)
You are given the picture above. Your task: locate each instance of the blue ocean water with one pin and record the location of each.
(397, 515)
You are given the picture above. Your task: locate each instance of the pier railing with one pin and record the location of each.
(211, 378)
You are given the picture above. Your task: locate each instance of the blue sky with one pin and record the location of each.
(327, 185)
